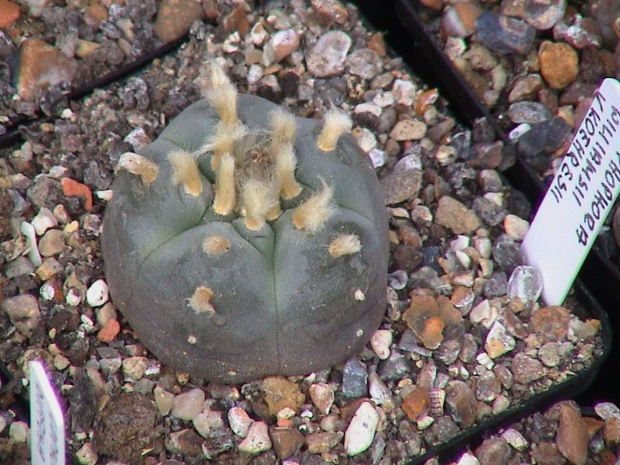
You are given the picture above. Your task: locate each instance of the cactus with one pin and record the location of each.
(246, 242)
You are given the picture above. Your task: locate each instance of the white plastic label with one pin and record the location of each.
(579, 198)
(47, 424)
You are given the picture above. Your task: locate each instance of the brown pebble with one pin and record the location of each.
(95, 14)
(280, 393)
(425, 100)
(72, 188)
(455, 216)
(23, 311)
(611, 431)
(401, 186)
(461, 403)
(109, 331)
(319, 443)
(572, 436)
(416, 404)
(551, 323)
(175, 17)
(376, 44)
(9, 13)
(52, 243)
(559, 64)
(424, 320)
(42, 66)
(285, 441)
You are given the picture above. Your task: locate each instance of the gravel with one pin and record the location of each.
(464, 337)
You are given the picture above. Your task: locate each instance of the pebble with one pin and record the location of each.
(461, 403)
(19, 431)
(498, 342)
(43, 221)
(487, 387)
(526, 369)
(528, 112)
(401, 186)
(188, 405)
(455, 216)
(281, 393)
(516, 228)
(425, 321)
(417, 403)
(503, 34)
(257, 440)
(328, 57)
(550, 323)
(459, 19)
(380, 342)
(19, 267)
(9, 13)
(379, 392)
(493, 451)
(408, 129)
(134, 368)
(42, 67)
(525, 283)
(364, 63)
(87, 455)
(515, 439)
(549, 354)
(185, 442)
(606, 410)
(322, 396)
(73, 188)
(24, 313)
(239, 421)
(97, 294)
(286, 442)
(175, 17)
(526, 87)
(52, 243)
(361, 431)
(322, 442)
(354, 379)
(206, 421)
(395, 367)
(572, 435)
(281, 45)
(559, 64)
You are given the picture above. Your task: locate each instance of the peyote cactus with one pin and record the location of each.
(245, 242)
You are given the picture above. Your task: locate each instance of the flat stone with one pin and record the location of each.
(425, 321)
(175, 17)
(327, 58)
(455, 216)
(361, 430)
(503, 34)
(493, 451)
(42, 67)
(525, 283)
(401, 186)
(417, 404)
(559, 64)
(9, 13)
(24, 313)
(185, 442)
(551, 323)
(281, 45)
(572, 436)
(528, 112)
(380, 342)
(525, 87)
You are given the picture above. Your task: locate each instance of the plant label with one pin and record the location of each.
(47, 424)
(580, 197)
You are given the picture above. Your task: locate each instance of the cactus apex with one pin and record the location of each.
(314, 212)
(185, 171)
(215, 244)
(259, 200)
(139, 166)
(225, 195)
(200, 301)
(336, 124)
(344, 244)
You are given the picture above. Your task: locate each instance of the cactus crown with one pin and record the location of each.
(245, 241)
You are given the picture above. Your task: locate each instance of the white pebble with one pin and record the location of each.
(188, 405)
(515, 439)
(257, 440)
(28, 231)
(44, 220)
(377, 158)
(19, 431)
(240, 422)
(255, 73)
(97, 293)
(468, 459)
(380, 342)
(73, 297)
(361, 431)
(87, 455)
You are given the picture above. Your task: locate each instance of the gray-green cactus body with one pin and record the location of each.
(214, 298)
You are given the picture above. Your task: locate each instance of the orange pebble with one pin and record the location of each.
(109, 331)
(425, 100)
(72, 188)
(9, 13)
(285, 423)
